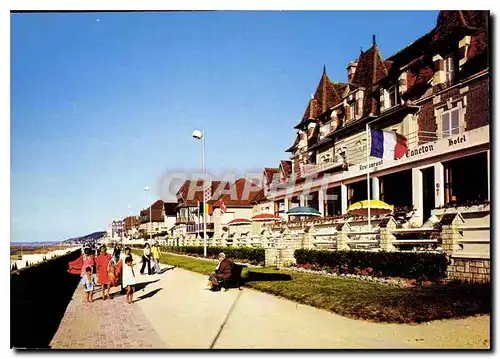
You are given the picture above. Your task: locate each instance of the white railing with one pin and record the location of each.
(475, 239)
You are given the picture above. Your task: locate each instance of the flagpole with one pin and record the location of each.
(368, 175)
(204, 199)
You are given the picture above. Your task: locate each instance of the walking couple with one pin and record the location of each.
(149, 254)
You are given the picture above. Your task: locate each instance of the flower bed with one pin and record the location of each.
(365, 274)
(409, 265)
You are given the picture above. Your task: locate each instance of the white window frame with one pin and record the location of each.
(451, 131)
(449, 69)
(395, 88)
(352, 111)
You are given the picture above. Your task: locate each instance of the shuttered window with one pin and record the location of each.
(451, 122)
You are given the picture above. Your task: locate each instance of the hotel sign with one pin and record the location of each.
(427, 149)
(431, 148)
(475, 137)
(424, 149)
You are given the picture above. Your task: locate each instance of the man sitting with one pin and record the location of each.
(222, 272)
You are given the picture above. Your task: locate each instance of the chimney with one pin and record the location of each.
(351, 69)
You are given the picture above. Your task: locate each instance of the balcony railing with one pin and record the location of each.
(197, 228)
(180, 220)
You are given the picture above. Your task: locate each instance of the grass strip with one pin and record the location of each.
(359, 299)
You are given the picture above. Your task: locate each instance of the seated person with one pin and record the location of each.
(222, 272)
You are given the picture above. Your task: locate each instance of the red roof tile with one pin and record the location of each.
(245, 194)
(295, 143)
(286, 167)
(131, 221)
(339, 88)
(156, 210)
(327, 95)
(269, 174)
(259, 197)
(196, 195)
(364, 71)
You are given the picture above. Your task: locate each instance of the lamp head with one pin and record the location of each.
(197, 134)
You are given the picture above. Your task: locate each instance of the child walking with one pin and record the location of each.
(129, 279)
(89, 283)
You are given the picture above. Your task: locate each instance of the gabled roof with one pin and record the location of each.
(327, 95)
(259, 197)
(156, 212)
(450, 22)
(311, 112)
(183, 192)
(244, 196)
(371, 67)
(269, 174)
(340, 89)
(286, 168)
(412, 50)
(295, 143)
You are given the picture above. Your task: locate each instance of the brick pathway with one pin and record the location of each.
(109, 324)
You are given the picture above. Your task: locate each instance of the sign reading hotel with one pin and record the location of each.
(430, 148)
(474, 137)
(427, 149)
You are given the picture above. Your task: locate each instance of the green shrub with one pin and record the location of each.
(246, 254)
(428, 266)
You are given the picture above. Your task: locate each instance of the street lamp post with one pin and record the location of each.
(200, 135)
(129, 214)
(150, 214)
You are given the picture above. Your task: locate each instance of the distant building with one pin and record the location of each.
(154, 222)
(131, 225)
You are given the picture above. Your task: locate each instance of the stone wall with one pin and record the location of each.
(469, 269)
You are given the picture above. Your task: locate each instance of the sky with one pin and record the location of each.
(104, 104)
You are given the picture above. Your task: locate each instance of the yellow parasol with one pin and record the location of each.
(377, 207)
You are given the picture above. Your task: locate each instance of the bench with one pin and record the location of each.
(235, 280)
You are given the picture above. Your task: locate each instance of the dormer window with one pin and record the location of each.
(352, 110)
(325, 130)
(449, 70)
(393, 96)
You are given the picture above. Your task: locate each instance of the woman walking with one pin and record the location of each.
(146, 259)
(103, 260)
(156, 257)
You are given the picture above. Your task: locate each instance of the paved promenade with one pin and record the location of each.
(173, 311)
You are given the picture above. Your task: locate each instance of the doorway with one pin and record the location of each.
(428, 189)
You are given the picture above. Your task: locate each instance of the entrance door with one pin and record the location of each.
(428, 185)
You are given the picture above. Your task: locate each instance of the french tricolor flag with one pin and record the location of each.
(388, 145)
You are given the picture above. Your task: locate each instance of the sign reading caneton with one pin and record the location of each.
(430, 148)
(427, 149)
